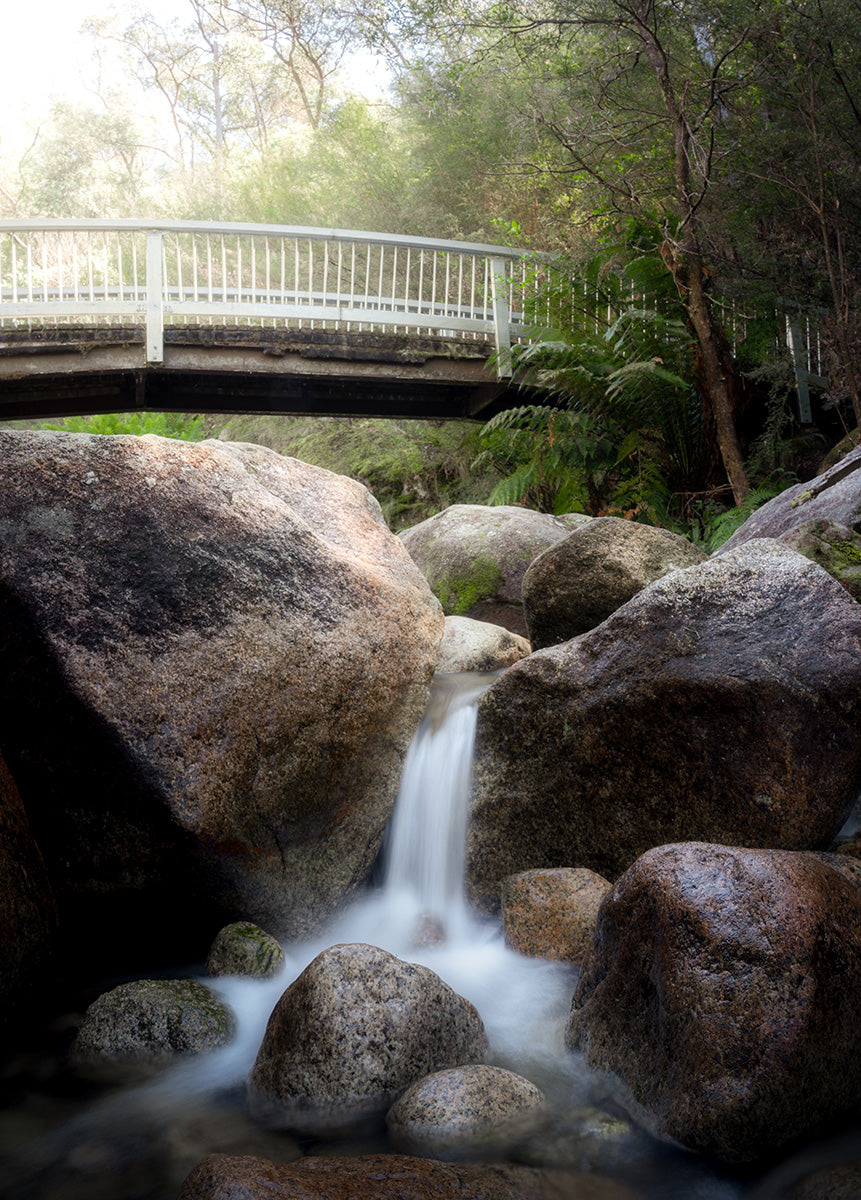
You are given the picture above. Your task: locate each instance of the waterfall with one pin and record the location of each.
(423, 882)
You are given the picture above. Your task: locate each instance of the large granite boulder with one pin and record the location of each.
(475, 1111)
(469, 645)
(147, 1024)
(722, 703)
(388, 1177)
(552, 912)
(722, 989)
(356, 1028)
(835, 495)
(213, 661)
(575, 584)
(27, 910)
(474, 557)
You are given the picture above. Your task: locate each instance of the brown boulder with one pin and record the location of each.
(577, 583)
(149, 1023)
(388, 1177)
(722, 989)
(552, 913)
(213, 661)
(720, 704)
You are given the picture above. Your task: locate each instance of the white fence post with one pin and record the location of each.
(501, 316)
(154, 299)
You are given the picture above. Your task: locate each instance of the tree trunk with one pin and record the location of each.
(686, 263)
(714, 377)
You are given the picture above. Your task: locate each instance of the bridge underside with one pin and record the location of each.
(55, 371)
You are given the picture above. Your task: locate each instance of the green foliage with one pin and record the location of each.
(623, 430)
(185, 426)
(83, 163)
(717, 525)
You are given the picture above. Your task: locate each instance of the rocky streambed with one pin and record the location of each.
(214, 660)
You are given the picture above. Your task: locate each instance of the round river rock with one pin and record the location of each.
(466, 1111)
(356, 1028)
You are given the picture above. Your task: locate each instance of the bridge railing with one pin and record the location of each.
(161, 273)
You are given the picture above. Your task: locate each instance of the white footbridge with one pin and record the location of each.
(197, 316)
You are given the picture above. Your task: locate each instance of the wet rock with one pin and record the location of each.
(356, 1028)
(388, 1177)
(840, 1181)
(552, 913)
(833, 496)
(577, 583)
(722, 991)
(474, 557)
(213, 661)
(720, 704)
(469, 645)
(243, 948)
(28, 916)
(473, 1111)
(148, 1024)
(589, 1139)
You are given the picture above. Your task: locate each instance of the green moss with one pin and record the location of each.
(845, 554)
(458, 594)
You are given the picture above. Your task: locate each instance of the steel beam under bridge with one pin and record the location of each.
(228, 369)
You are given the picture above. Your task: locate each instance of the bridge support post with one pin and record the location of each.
(154, 299)
(501, 324)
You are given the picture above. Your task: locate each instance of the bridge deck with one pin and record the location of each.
(59, 370)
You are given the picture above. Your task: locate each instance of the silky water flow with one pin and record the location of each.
(418, 913)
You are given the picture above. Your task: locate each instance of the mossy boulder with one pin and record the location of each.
(141, 1026)
(475, 556)
(834, 546)
(243, 948)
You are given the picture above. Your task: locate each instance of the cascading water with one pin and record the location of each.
(425, 843)
(420, 914)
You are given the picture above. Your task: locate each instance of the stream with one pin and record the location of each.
(62, 1141)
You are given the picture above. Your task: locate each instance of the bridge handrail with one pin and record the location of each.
(56, 269)
(310, 232)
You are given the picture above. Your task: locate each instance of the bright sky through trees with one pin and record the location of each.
(44, 57)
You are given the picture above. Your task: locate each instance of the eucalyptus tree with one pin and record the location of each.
(217, 87)
(83, 162)
(638, 95)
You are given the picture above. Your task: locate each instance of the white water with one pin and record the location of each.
(523, 1002)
